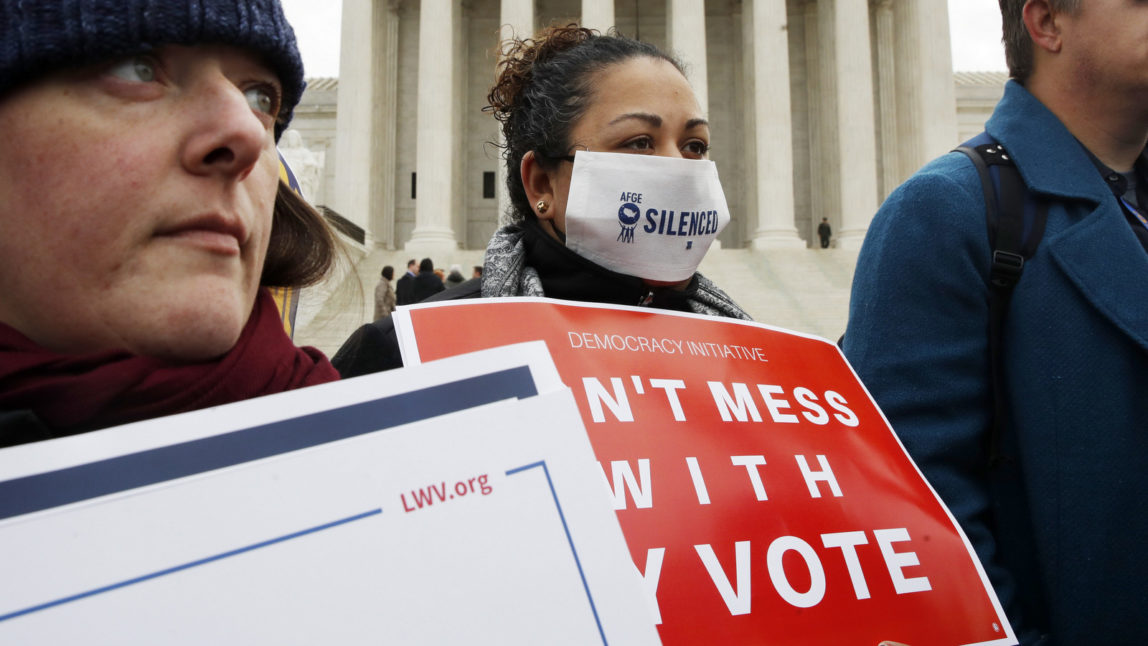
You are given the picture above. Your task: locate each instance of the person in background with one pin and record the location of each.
(385, 294)
(426, 284)
(823, 232)
(567, 92)
(477, 272)
(404, 284)
(140, 292)
(455, 277)
(1059, 517)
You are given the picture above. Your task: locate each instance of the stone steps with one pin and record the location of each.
(806, 290)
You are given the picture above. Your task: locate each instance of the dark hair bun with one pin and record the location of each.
(518, 58)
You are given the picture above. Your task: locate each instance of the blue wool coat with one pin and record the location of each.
(1061, 528)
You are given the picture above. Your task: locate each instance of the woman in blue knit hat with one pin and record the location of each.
(142, 212)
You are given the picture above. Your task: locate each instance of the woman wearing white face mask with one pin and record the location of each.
(612, 226)
(571, 90)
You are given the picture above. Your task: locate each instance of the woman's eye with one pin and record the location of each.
(641, 143)
(696, 149)
(263, 98)
(138, 69)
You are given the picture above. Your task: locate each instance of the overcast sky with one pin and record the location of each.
(975, 25)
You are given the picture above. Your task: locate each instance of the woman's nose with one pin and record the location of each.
(227, 136)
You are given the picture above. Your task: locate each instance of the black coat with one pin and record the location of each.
(375, 346)
(403, 289)
(425, 285)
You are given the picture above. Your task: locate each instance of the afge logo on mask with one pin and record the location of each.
(642, 215)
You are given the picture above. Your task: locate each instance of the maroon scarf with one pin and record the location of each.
(75, 393)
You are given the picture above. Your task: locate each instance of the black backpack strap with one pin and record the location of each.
(1015, 222)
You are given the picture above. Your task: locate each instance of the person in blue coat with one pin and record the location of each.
(1060, 524)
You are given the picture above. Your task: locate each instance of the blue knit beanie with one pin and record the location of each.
(41, 36)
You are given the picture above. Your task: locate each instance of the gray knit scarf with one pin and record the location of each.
(505, 273)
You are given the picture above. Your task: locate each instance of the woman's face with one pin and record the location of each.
(642, 106)
(136, 200)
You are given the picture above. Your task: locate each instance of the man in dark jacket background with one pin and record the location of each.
(426, 283)
(403, 287)
(823, 232)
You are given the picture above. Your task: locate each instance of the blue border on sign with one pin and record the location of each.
(187, 566)
(51, 489)
(569, 540)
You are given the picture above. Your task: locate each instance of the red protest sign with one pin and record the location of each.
(761, 492)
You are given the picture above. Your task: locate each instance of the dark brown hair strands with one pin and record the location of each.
(302, 248)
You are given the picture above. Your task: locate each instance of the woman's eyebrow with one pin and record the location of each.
(652, 119)
(656, 121)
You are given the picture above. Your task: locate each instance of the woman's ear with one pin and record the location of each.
(539, 185)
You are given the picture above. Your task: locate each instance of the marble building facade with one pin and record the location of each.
(812, 114)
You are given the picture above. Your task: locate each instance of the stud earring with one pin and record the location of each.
(543, 207)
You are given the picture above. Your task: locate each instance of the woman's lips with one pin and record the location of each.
(211, 232)
(214, 241)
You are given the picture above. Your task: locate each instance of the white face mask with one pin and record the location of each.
(643, 215)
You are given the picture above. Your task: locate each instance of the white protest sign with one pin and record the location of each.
(457, 502)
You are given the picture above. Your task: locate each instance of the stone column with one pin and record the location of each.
(598, 14)
(386, 55)
(856, 141)
(355, 120)
(686, 36)
(516, 18)
(887, 98)
(744, 17)
(938, 94)
(926, 103)
(822, 171)
(459, 221)
(435, 165)
(773, 136)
